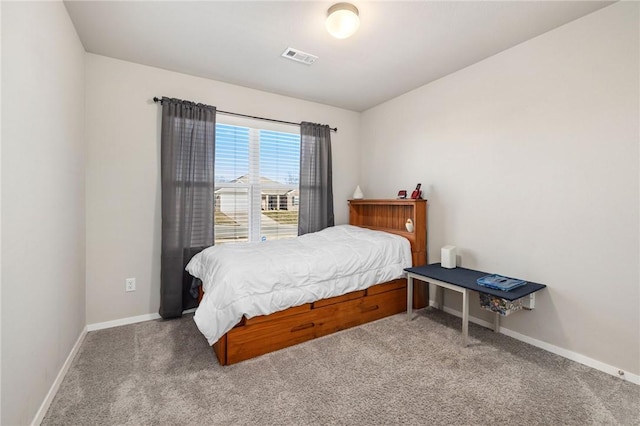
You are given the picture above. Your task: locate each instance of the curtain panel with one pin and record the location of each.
(187, 170)
(316, 187)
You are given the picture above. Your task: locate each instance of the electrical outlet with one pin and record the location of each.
(130, 284)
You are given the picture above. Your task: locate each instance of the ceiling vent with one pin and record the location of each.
(299, 56)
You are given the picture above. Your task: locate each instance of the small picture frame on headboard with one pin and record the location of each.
(402, 194)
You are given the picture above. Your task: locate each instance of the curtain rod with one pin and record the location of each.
(333, 129)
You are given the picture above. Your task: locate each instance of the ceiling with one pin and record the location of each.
(400, 45)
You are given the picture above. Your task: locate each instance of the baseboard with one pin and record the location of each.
(42, 411)
(122, 321)
(129, 320)
(565, 353)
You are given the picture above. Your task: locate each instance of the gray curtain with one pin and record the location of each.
(316, 188)
(188, 153)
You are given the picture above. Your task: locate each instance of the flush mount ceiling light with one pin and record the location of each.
(342, 20)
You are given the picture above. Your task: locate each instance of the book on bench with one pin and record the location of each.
(499, 282)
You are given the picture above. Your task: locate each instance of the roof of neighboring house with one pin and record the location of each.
(272, 187)
(263, 180)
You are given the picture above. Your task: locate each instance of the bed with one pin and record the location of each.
(247, 312)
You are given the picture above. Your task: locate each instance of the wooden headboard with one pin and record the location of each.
(391, 216)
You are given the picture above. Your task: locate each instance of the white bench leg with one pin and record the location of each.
(440, 297)
(409, 297)
(465, 316)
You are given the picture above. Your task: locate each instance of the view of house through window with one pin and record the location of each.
(256, 184)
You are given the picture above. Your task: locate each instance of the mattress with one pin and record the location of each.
(251, 279)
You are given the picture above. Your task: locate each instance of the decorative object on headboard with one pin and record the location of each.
(409, 225)
(357, 194)
(417, 193)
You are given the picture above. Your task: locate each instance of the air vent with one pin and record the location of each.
(299, 56)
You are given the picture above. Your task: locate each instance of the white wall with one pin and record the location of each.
(123, 182)
(529, 160)
(43, 237)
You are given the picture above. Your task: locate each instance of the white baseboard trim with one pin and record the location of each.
(42, 411)
(122, 321)
(565, 353)
(129, 320)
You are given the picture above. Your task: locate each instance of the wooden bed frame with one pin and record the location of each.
(267, 333)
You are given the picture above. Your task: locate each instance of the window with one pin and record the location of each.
(256, 183)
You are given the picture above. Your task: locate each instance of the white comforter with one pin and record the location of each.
(254, 279)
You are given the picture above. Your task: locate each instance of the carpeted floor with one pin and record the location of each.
(387, 372)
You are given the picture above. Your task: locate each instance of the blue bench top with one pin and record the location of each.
(467, 278)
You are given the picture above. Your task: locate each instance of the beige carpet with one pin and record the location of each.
(387, 372)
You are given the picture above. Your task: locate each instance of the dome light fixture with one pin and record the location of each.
(342, 20)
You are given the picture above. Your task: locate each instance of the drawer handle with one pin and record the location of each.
(370, 308)
(302, 327)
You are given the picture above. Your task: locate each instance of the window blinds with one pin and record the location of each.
(257, 173)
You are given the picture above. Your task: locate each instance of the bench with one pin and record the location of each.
(464, 280)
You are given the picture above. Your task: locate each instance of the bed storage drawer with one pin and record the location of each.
(261, 338)
(366, 309)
